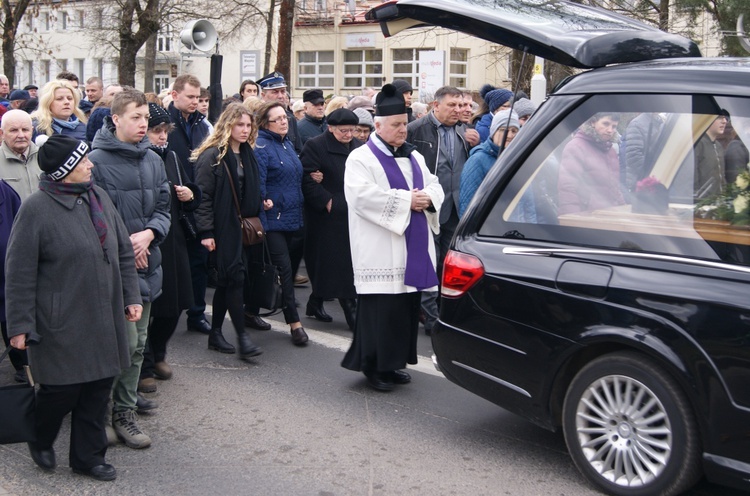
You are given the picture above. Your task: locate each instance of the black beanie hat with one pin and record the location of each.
(390, 101)
(60, 154)
(342, 117)
(157, 115)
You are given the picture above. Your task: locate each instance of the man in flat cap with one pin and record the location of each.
(273, 89)
(314, 122)
(394, 203)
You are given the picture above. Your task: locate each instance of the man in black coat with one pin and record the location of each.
(190, 129)
(314, 122)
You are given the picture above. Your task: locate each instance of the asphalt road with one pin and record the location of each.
(293, 422)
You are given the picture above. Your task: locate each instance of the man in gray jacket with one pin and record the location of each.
(18, 154)
(445, 149)
(134, 178)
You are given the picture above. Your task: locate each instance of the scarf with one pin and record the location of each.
(58, 125)
(79, 189)
(419, 272)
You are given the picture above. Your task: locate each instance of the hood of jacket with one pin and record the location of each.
(105, 139)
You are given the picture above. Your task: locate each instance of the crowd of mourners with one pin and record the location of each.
(119, 209)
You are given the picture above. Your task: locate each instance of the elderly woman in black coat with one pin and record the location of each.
(177, 288)
(71, 283)
(328, 256)
(226, 160)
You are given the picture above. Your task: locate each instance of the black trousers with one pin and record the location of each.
(88, 403)
(160, 330)
(280, 244)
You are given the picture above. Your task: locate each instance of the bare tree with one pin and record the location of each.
(12, 13)
(128, 24)
(286, 27)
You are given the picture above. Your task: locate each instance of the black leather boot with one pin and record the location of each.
(315, 309)
(247, 347)
(349, 305)
(217, 342)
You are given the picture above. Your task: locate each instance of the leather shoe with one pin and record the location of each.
(104, 472)
(44, 458)
(255, 322)
(379, 382)
(299, 336)
(143, 404)
(315, 309)
(147, 385)
(201, 326)
(300, 280)
(162, 371)
(400, 377)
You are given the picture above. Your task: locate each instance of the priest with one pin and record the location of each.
(393, 202)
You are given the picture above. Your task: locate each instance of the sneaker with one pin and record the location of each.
(126, 427)
(112, 438)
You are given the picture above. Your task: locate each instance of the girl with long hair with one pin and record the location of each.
(58, 111)
(226, 160)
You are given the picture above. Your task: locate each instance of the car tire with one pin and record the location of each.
(629, 428)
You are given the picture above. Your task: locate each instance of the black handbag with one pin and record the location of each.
(187, 225)
(265, 283)
(17, 407)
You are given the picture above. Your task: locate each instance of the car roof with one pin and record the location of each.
(725, 76)
(557, 30)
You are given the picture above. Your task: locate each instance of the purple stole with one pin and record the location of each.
(420, 272)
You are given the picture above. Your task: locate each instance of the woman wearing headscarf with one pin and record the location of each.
(58, 111)
(328, 256)
(281, 182)
(177, 288)
(75, 311)
(224, 161)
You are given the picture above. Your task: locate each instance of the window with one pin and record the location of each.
(161, 80)
(164, 39)
(363, 68)
(406, 64)
(44, 21)
(62, 65)
(80, 65)
(45, 70)
(81, 16)
(315, 69)
(99, 64)
(669, 186)
(64, 21)
(458, 69)
(29, 72)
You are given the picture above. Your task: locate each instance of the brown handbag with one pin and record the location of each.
(252, 229)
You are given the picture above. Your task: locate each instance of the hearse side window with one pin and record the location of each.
(666, 174)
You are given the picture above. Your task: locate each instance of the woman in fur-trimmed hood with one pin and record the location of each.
(590, 169)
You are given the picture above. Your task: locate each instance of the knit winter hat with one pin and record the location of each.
(60, 154)
(524, 107)
(501, 120)
(496, 98)
(365, 118)
(157, 115)
(362, 102)
(390, 101)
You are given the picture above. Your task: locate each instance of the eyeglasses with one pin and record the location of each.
(347, 130)
(281, 118)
